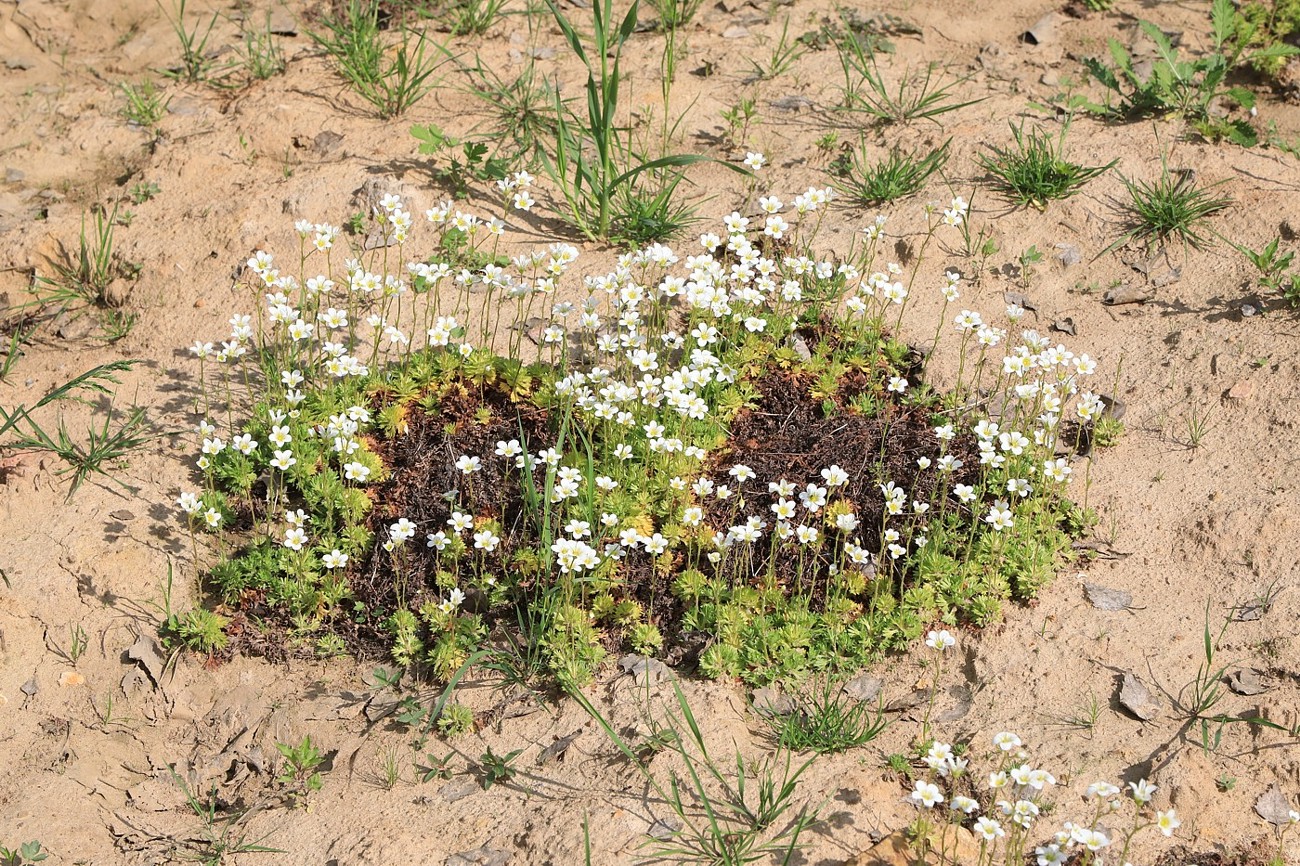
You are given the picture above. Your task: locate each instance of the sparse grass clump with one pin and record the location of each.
(391, 84)
(918, 95)
(1171, 206)
(1035, 171)
(145, 104)
(611, 188)
(896, 176)
(825, 720)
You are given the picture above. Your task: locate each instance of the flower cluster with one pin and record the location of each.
(1003, 816)
(643, 368)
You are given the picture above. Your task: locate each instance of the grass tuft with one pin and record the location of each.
(1035, 171)
(896, 176)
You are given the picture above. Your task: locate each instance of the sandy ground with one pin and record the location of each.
(89, 747)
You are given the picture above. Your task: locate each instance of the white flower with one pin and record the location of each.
(999, 516)
(784, 509)
(926, 794)
(988, 829)
(754, 161)
(212, 517)
(355, 471)
(486, 541)
(401, 531)
(1167, 822)
(813, 497)
(834, 476)
(1142, 791)
(966, 805)
(283, 460)
(295, 538)
(1006, 741)
(1050, 855)
(1058, 469)
(335, 559)
(741, 472)
(1093, 840)
(1039, 779)
(468, 464)
(188, 502)
(940, 640)
(244, 443)
(459, 522)
(1102, 790)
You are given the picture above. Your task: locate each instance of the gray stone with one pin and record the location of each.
(643, 668)
(483, 856)
(459, 789)
(770, 703)
(864, 687)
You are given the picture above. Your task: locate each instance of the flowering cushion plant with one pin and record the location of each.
(726, 454)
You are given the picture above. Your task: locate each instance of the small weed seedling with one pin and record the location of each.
(496, 768)
(896, 176)
(1196, 424)
(520, 111)
(300, 773)
(219, 836)
(469, 159)
(143, 192)
(261, 55)
(1086, 715)
(145, 104)
(196, 62)
(471, 17)
(390, 767)
(81, 278)
(78, 640)
(725, 816)
(1036, 171)
(1185, 87)
(674, 15)
(738, 119)
(610, 190)
(435, 767)
(1026, 263)
(784, 54)
(1273, 272)
(28, 852)
(106, 444)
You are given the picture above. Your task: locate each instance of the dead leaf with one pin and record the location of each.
(1135, 697)
(1106, 598)
(148, 654)
(1274, 807)
(1248, 681)
(556, 751)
